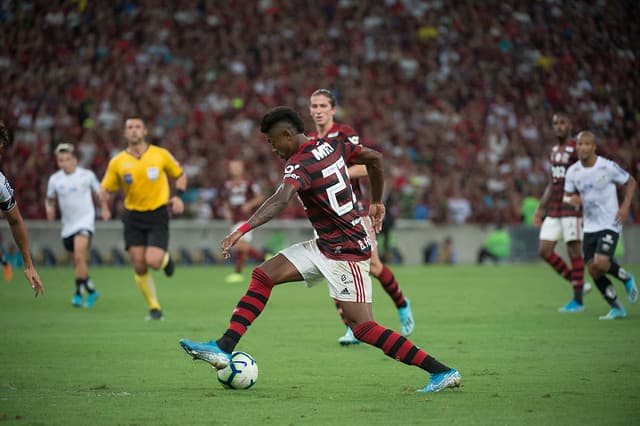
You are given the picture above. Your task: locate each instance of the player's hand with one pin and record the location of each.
(228, 242)
(622, 215)
(34, 280)
(537, 218)
(176, 205)
(106, 214)
(377, 212)
(573, 200)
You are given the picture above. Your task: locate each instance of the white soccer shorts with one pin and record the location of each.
(561, 228)
(368, 226)
(348, 281)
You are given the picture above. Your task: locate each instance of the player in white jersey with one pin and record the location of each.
(10, 209)
(592, 182)
(72, 188)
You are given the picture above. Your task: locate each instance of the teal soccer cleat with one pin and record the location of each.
(440, 381)
(348, 338)
(406, 319)
(614, 313)
(77, 301)
(572, 307)
(632, 288)
(208, 352)
(91, 299)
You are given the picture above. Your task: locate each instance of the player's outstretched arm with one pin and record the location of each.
(270, 209)
(20, 236)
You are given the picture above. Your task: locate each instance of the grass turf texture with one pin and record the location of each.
(521, 361)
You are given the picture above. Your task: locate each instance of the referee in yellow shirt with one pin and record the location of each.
(142, 171)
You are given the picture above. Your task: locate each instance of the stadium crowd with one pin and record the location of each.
(458, 95)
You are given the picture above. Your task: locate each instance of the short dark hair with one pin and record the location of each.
(562, 113)
(281, 114)
(5, 140)
(328, 94)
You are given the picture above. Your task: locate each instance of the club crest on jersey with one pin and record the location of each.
(153, 173)
(128, 178)
(322, 151)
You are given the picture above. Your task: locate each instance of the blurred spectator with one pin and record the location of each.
(441, 88)
(443, 252)
(528, 208)
(497, 246)
(14, 257)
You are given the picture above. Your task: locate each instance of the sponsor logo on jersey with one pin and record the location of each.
(322, 151)
(128, 178)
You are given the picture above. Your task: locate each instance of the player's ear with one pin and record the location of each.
(288, 132)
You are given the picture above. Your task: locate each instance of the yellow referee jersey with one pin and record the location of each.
(144, 179)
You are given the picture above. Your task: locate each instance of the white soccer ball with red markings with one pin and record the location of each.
(241, 373)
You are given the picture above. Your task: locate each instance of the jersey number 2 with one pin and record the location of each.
(337, 169)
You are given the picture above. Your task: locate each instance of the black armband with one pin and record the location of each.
(179, 193)
(8, 205)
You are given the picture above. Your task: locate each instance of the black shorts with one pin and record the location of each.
(150, 228)
(601, 242)
(68, 241)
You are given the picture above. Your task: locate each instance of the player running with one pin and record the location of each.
(591, 182)
(340, 254)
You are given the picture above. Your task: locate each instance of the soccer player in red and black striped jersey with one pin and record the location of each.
(340, 253)
(322, 107)
(562, 221)
(241, 197)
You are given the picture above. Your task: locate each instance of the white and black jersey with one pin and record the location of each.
(7, 201)
(597, 188)
(74, 193)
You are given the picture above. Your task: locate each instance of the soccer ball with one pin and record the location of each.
(241, 373)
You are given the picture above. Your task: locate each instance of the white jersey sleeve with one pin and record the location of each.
(7, 201)
(617, 173)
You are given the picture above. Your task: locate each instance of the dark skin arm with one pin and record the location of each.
(270, 209)
(373, 162)
(537, 215)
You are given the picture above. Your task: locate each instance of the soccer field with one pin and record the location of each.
(521, 361)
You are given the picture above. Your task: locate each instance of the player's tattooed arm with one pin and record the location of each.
(273, 206)
(268, 210)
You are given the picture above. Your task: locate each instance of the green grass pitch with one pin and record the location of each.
(521, 361)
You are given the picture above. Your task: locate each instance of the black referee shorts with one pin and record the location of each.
(148, 228)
